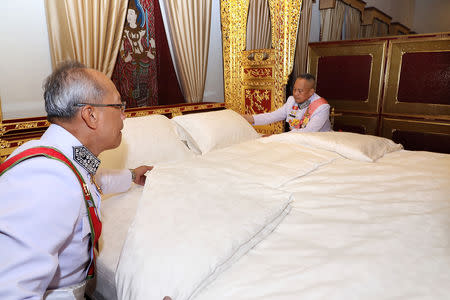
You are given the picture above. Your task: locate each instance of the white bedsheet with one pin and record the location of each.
(357, 230)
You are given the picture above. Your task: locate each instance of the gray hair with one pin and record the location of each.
(67, 86)
(308, 77)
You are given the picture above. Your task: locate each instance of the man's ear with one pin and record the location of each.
(90, 116)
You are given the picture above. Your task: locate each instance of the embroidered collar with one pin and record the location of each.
(86, 159)
(304, 104)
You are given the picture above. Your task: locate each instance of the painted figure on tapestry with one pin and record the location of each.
(135, 74)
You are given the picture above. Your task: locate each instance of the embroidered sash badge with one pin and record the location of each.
(294, 123)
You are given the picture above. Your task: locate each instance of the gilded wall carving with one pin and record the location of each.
(255, 80)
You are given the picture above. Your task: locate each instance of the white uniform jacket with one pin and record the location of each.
(44, 226)
(319, 120)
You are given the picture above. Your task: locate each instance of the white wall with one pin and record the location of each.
(24, 57)
(432, 16)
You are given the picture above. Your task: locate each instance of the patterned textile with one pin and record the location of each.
(137, 71)
(86, 159)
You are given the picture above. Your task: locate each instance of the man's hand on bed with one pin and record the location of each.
(249, 118)
(140, 174)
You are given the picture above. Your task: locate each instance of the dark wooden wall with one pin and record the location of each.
(396, 87)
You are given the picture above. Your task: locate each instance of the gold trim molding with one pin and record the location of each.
(14, 133)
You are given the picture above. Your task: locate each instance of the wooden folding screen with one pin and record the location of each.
(396, 87)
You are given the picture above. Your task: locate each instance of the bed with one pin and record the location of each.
(227, 214)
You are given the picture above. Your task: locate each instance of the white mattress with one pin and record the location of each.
(356, 230)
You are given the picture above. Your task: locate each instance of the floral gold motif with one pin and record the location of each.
(176, 112)
(26, 125)
(4, 144)
(256, 73)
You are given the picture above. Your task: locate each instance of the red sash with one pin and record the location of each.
(311, 109)
(49, 152)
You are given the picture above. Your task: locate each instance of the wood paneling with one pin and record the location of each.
(356, 123)
(372, 12)
(414, 107)
(418, 78)
(342, 82)
(418, 134)
(396, 28)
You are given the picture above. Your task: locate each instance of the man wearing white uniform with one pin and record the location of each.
(48, 214)
(305, 111)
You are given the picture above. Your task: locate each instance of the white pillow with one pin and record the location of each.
(207, 131)
(354, 146)
(146, 141)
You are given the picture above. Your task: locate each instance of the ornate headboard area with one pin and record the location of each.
(255, 80)
(397, 87)
(15, 132)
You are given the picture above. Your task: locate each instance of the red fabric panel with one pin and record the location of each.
(258, 101)
(344, 77)
(144, 74)
(169, 91)
(425, 78)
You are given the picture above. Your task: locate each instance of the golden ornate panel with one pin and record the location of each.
(255, 80)
(259, 82)
(417, 80)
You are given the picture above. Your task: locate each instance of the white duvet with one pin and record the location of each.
(356, 231)
(352, 231)
(197, 217)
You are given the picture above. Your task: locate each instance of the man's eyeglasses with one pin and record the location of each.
(120, 106)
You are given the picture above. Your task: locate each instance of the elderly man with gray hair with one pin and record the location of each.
(304, 111)
(50, 189)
